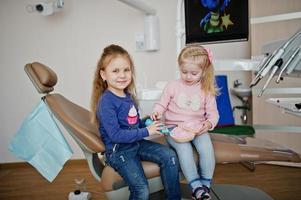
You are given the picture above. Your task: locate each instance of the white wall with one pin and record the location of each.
(71, 42)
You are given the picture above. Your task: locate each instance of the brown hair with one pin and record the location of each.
(99, 85)
(200, 55)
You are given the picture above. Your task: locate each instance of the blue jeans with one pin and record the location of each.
(126, 160)
(206, 156)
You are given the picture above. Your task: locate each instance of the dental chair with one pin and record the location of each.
(76, 120)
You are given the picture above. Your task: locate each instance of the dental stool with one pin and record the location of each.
(76, 120)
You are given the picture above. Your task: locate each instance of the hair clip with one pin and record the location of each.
(210, 55)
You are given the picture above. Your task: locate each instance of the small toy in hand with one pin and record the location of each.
(183, 133)
(164, 129)
(186, 131)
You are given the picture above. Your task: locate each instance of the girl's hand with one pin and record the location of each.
(155, 128)
(206, 126)
(156, 116)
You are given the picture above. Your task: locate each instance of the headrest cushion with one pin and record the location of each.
(41, 76)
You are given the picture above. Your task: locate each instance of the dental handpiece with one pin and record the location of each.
(272, 62)
(263, 64)
(292, 47)
(274, 70)
(294, 63)
(279, 78)
(291, 39)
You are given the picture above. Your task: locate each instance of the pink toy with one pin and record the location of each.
(181, 135)
(186, 131)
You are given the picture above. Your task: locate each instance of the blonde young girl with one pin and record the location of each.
(190, 104)
(115, 109)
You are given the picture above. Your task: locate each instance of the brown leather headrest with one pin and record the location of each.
(42, 77)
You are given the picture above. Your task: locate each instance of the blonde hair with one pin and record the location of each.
(99, 85)
(199, 54)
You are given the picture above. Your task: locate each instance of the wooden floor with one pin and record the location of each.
(22, 182)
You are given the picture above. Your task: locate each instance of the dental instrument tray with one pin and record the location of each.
(289, 105)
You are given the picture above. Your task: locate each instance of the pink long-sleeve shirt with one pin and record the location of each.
(187, 103)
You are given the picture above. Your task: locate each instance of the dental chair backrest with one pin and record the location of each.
(73, 117)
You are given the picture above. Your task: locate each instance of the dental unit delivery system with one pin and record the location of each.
(292, 58)
(286, 57)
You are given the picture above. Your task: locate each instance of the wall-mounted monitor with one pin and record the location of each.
(215, 21)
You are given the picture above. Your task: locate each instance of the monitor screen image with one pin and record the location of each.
(214, 21)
